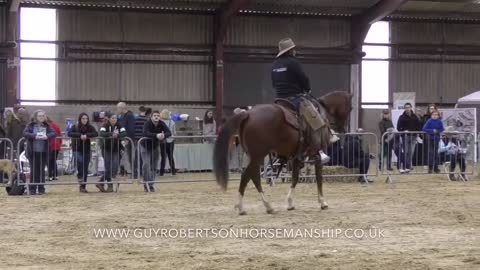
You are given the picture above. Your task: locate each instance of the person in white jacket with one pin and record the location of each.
(455, 150)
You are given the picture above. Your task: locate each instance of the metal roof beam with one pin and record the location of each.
(361, 23)
(226, 13)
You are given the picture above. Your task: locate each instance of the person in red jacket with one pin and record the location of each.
(55, 145)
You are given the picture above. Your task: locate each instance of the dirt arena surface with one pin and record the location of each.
(426, 222)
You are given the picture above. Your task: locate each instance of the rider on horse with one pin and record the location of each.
(290, 81)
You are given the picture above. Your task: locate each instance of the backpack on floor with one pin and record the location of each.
(14, 189)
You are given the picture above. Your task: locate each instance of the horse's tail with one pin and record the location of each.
(222, 147)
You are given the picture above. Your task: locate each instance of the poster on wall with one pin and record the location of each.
(401, 98)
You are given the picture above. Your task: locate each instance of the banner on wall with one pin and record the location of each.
(401, 98)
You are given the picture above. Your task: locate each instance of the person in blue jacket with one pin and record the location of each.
(433, 127)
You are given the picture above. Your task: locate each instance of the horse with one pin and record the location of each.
(263, 130)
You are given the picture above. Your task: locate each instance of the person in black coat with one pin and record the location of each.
(385, 125)
(38, 133)
(155, 131)
(354, 156)
(81, 134)
(408, 122)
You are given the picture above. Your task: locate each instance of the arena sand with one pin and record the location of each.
(426, 222)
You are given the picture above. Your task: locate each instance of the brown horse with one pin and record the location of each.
(263, 130)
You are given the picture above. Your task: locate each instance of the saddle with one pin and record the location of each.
(289, 112)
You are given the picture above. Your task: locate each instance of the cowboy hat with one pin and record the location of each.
(285, 45)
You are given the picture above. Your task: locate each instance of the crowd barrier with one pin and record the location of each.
(106, 159)
(418, 153)
(7, 163)
(352, 157)
(170, 162)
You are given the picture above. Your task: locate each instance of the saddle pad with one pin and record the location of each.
(290, 117)
(311, 115)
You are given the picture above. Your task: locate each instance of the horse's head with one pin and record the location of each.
(338, 105)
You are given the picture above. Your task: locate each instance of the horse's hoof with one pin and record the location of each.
(324, 207)
(291, 208)
(242, 213)
(270, 211)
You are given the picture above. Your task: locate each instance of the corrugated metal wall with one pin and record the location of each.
(435, 81)
(3, 64)
(81, 25)
(190, 82)
(307, 32)
(250, 83)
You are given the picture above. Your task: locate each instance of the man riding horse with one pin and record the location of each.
(292, 84)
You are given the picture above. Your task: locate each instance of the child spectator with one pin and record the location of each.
(455, 151)
(433, 128)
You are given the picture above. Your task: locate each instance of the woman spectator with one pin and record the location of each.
(433, 128)
(166, 149)
(37, 134)
(111, 134)
(209, 126)
(456, 150)
(81, 134)
(55, 145)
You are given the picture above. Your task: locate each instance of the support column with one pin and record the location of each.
(219, 79)
(13, 62)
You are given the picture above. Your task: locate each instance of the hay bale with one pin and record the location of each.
(329, 172)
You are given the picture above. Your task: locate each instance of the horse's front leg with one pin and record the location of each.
(319, 177)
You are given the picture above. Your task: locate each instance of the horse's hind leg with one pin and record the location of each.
(319, 176)
(255, 172)
(246, 175)
(295, 175)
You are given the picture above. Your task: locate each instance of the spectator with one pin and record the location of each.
(55, 145)
(166, 149)
(408, 122)
(37, 133)
(455, 150)
(209, 126)
(433, 128)
(111, 133)
(127, 120)
(16, 127)
(355, 157)
(81, 134)
(428, 114)
(139, 124)
(385, 124)
(148, 112)
(156, 131)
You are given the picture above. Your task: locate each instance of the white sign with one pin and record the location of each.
(401, 98)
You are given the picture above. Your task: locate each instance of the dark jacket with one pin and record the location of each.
(353, 151)
(3, 134)
(77, 144)
(107, 143)
(15, 130)
(128, 122)
(30, 136)
(150, 131)
(384, 125)
(431, 126)
(288, 77)
(410, 123)
(139, 124)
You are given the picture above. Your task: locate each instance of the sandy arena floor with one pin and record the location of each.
(427, 223)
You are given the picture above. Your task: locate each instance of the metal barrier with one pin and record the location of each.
(419, 153)
(7, 163)
(353, 155)
(182, 159)
(38, 160)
